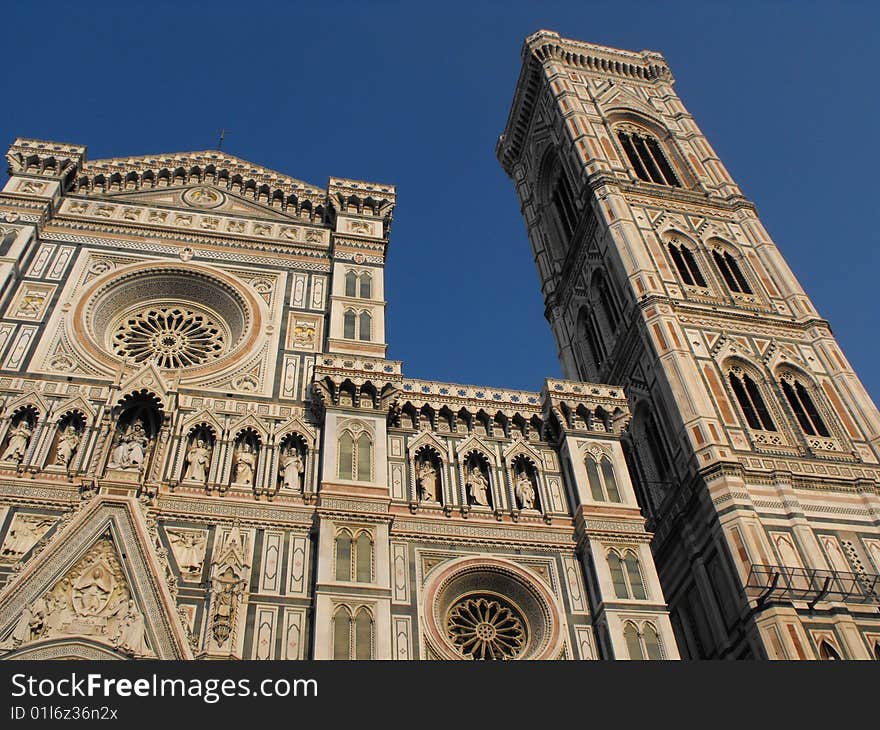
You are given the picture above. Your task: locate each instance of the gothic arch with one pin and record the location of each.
(474, 444)
(747, 388)
(807, 402)
(731, 265)
(558, 202)
(625, 119)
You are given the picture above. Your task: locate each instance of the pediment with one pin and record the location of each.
(202, 198)
(99, 580)
(619, 97)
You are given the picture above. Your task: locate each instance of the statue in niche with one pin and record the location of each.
(198, 460)
(19, 437)
(524, 491)
(227, 589)
(131, 631)
(245, 464)
(428, 482)
(68, 442)
(291, 469)
(131, 449)
(477, 486)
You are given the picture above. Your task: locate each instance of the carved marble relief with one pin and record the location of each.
(91, 600)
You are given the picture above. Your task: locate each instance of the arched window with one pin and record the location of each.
(651, 641)
(364, 457)
(563, 203)
(363, 635)
(366, 285)
(634, 575)
(610, 480)
(615, 564)
(349, 324)
(355, 456)
(354, 557)
(342, 634)
(352, 638)
(644, 644)
(346, 456)
(828, 652)
(686, 264)
(343, 556)
(351, 284)
(607, 301)
(558, 206)
(366, 324)
(748, 395)
(595, 480)
(801, 403)
(591, 337)
(633, 645)
(364, 558)
(603, 484)
(646, 157)
(731, 272)
(626, 575)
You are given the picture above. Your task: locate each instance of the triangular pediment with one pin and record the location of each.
(203, 199)
(619, 97)
(98, 581)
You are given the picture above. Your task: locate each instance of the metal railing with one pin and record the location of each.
(767, 582)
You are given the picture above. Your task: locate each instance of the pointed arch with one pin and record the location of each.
(344, 550)
(804, 399)
(363, 634)
(827, 652)
(746, 384)
(631, 637)
(342, 633)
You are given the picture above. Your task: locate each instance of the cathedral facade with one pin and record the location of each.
(205, 453)
(753, 446)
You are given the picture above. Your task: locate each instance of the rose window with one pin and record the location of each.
(485, 628)
(170, 336)
(179, 317)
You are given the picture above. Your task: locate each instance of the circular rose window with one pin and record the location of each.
(485, 608)
(486, 627)
(176, 317)
(172, 336)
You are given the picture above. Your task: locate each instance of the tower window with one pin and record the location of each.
(351, 284)
(603, 484)
(731, 272)
(354, 557)
(366, 282)
(644, 644)
(563, 204)
(804, 409)
(750, 401)
(357, 326)
(358, 285)
(355, 456)
(626, 576)
(647, 158)
(352, 637)
(686, 263)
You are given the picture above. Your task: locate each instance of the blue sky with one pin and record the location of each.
(399, 93)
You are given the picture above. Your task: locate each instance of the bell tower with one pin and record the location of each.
(753, 446)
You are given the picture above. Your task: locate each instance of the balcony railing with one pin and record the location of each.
(769, 582)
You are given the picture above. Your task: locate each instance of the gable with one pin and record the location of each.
(98, 583)
(203, 198)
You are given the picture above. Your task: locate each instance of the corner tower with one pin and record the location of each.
(753, 446)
